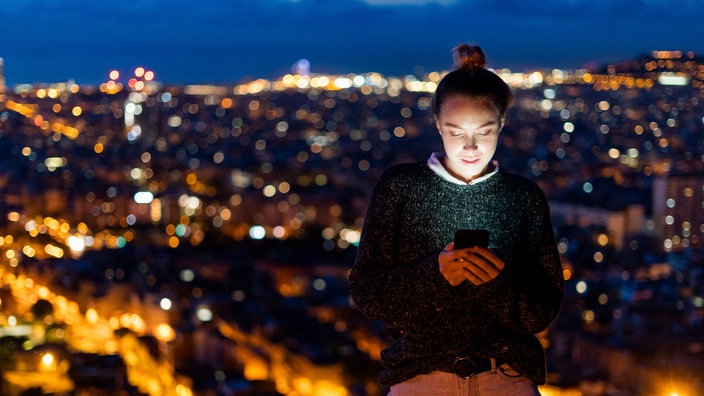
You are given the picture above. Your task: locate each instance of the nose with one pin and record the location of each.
(470, 141)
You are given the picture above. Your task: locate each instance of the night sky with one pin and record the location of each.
(228, 41)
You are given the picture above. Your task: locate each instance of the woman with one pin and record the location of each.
(462, 319)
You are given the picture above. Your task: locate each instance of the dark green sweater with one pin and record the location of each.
(412, 215)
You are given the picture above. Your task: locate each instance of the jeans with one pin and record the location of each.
(500, 381)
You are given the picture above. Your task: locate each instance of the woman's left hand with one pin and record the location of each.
(475, 264)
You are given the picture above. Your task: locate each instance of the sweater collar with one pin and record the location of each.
(435, 163)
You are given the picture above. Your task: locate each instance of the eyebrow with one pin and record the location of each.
(486, 124)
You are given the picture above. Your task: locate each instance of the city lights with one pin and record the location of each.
(76, 243)
(143, 197)
(257, 232)
(673, 79)
(164, 332)
(204, 314)
(148, 206)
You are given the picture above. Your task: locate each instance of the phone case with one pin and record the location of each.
(469, 238)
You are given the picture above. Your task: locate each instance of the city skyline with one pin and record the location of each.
(218, 42)
(166, 240)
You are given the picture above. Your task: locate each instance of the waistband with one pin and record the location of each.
(464, 367)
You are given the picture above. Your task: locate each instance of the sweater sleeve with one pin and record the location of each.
(532, 291)
(401, 294)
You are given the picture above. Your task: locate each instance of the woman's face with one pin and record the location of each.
(470, 132)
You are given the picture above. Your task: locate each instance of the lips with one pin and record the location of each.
(470, 161)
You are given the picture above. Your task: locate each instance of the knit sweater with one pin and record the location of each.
(412, 215)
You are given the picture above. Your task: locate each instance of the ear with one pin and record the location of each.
(437, 123)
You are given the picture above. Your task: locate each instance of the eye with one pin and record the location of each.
(485, 132)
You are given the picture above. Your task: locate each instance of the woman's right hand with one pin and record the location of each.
(450, 266)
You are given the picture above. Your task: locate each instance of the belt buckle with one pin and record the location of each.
(464, 367)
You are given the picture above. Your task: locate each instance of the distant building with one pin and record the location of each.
(619, 224)
(301, 67)
(678, 211)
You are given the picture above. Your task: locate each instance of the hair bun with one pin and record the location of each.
(467, 56)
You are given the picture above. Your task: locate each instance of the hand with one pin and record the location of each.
(476, 264)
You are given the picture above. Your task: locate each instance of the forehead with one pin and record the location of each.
(463, 106)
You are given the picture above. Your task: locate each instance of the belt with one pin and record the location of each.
(465, 367)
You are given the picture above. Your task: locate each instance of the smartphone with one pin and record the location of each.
(469, 238)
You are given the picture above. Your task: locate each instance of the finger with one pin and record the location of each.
(481, 269)
(488, 255)
(457, 281)
(473, 279)
(447, 262)
(477, 273)
(453, 271)
(489, 263)
(455, 277)
(489, 266)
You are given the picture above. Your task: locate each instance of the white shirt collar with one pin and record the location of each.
(435, 163)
